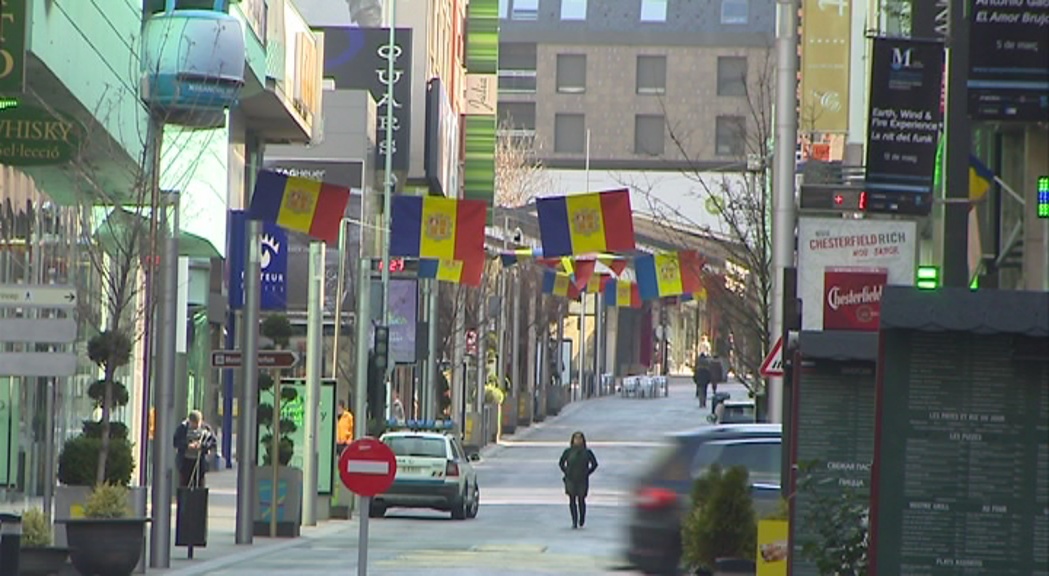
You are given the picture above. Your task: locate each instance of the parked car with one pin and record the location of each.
(662, 495)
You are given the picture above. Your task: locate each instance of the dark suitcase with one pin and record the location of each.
(191, 522)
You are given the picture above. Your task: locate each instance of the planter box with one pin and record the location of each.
(69, 504)
(508, 409)
(289, 501)
(48, 561)
(109, 546)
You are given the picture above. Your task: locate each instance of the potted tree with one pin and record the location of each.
(721, 529)
(108, 539)
(38, 557)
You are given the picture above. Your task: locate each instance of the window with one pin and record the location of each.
(504, 9)
(732, 76)
(573, 9)
(730, 132)
(525, 10)
(517, 67)
(734, 11)
(571, 73)
(519, 117)
(760, 458)
(419, 446)
(653, 10)
(649, 134)
(157, 6)
(569, 133)
(651, 74)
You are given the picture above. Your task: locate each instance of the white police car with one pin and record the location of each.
(433, 470)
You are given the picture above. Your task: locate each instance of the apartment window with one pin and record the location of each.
(649, 134)
(569, 133)
(734, 11)
(651, 74)
(525, 10)
(571, 73)
(517, 116)
(729, 134)
(732, 76)
(653, 10)
(573, 9)
(517, 67)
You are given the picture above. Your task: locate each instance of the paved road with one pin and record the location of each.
(524, 527)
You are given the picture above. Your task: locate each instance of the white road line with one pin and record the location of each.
(368, 467)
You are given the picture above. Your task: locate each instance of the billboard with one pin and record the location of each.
(357, 59)
(441, 160)
(403, 318)
(903, 125)
(1009, 61)
(826, 41)
(836, 242)
(274, 275)
(852, 298)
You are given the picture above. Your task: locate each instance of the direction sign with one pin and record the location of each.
(772, 366)
(38, 330)
(367, 467)
(38, 364)
(37, 296)
(267, 359)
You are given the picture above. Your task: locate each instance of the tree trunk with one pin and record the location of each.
(103, 450)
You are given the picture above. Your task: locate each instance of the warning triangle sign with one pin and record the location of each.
(772, 366)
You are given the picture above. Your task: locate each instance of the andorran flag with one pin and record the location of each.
(622, 294)
(596, 284)
(454, 271)
(301, 205)
(668, 274)
(559, 284)
(438, 228)
(586, 223)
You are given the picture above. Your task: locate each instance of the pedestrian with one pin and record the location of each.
(193, 441)
(577, 464)
(344, 430)
(702, 378)
(396, 407)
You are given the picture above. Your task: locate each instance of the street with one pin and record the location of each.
(523, 526)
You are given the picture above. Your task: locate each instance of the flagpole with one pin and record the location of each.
(388, 187)
(582, 297)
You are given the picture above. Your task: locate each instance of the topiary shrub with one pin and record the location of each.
(78, 462)
(494, 394)
(722, 522)
(107, 501)
(36, 530)
(117, 430)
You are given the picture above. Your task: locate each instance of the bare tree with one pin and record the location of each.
(519, 175)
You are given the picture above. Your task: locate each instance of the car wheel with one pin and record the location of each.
(459, 508)
(475, 503)
(376, 511)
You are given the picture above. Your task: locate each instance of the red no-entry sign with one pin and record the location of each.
(367, 467)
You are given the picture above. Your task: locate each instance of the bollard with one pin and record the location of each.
(10, 544)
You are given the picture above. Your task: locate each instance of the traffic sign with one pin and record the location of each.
(367, 467)
(772, 366)
(267, 359)
(37, 296)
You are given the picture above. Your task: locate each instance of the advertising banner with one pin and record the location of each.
(826, 37)
(403, 316)
(273, 285)
(852, 298)
(1009, 60)
(836, 243)
(905, 119)
(293, 408)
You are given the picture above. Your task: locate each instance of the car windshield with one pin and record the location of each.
(419, 446)
(761, 459)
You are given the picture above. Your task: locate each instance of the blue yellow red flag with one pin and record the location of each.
(668, 274)
(622, 294)
(438, 228)
(311, 207)
(453, 271)
(559, 284)
(586, 223)
(981, 178)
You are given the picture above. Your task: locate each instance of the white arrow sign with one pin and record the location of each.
(772, 366)
(37, 296)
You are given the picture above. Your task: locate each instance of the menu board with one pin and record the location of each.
(835, 435)
(963, 459)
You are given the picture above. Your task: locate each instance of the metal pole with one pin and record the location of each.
(360, 402)
(249, 349)
(430, 407)
(515, 337)
(599, 344)
(164, 393)
(314, 365)
(340, 294)
(559, 353)
(275, 456)
(959, 142)
(482, 347)
(389, 185)
(582, 346)
(155, 140)
(227, 393)
(784, 218)
(362, 537)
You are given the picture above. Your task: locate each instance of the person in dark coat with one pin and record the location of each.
(702, 378)
(193, 441)
(577, 464)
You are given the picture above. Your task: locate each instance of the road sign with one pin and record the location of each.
(772, 366)
(367, 467)
(267, 359)
(38, 364)
(39, 330)
(37, 296)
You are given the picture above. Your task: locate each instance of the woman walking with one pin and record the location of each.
(577, 463)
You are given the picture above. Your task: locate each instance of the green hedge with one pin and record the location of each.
(78, 462)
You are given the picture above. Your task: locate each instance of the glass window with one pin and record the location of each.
(571, 73)
(517, 67)
(504, 9)
(517, 115)
(761, 459)
(569, 133)
(732, 75)
(734, 11)
(525, 10)
(651, 74)
(573, 9)
(654, 10)
(420, 446)
(730, 134)
(649, 134)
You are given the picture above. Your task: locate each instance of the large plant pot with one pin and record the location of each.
(48, 561)
(105, 546)
(289, 501)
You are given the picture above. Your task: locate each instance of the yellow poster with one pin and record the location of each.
(826, 30)
(773, 548)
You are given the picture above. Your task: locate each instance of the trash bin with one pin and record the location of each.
(10, 544)
(191, 520)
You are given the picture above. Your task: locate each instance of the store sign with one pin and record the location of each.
(255, 14)
(852, 298)
(482, 93)
(306, 90)
(32, 136)
(13, 23)
(1008, 54)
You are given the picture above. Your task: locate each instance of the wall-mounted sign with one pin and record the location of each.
(306, 91)
(274, 265)
(1008, 50)
(13, 23)
(32, 136)
(482, 93)
(442, 141)
(852, 298)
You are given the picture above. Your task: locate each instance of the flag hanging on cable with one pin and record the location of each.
(668, 274)
(514, 256)
(597, 282)
(454, 271)
(302, 205)
(438, 228)
(981, 178)
(559, 284)
(586, 223)
(622, 294)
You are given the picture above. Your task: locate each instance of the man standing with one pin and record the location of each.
(193, 441)
(344, 430)
(702, 378)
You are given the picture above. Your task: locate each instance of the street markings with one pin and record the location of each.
(499, 558)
